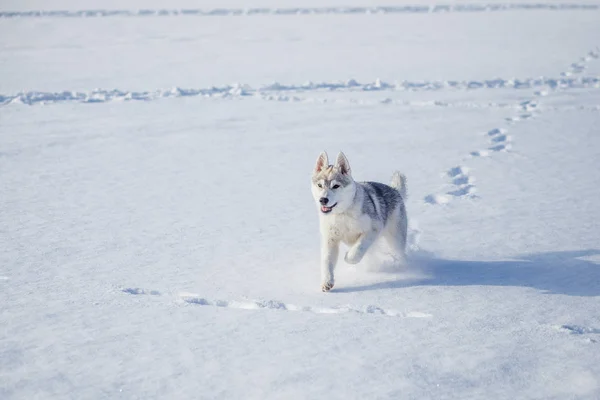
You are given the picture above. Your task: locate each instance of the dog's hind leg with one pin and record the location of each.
(359, 249)
(395, 234)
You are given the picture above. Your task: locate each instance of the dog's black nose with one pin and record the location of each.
(323, 200)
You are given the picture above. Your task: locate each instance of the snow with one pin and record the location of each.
(158, 238)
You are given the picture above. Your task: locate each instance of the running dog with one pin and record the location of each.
(356, 214)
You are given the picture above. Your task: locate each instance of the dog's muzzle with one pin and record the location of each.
(325, 209)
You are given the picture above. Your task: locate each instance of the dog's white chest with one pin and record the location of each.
(343, 227)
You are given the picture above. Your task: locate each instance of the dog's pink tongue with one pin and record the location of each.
(324, 208)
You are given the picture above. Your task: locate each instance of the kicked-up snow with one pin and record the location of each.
(158, 238)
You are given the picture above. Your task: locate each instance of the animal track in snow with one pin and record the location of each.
(581, 65)
(527, 109)
(277, 91)
(463, 186)
(463, 182)
(437, 199)
(499, 140)
(139, 291)
(575, 68)
(277, 305)
(581, 330)
(480, 153)
(222, 12)
(518, 118)
(496, 131)
(190, 298)
(528, 105)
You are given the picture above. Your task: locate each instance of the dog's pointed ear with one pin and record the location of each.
(342, 164)
(322, 162)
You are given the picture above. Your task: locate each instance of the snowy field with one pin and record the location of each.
(158, 238)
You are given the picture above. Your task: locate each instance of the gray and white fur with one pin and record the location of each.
(356, 214)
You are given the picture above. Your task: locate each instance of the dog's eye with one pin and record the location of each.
(335, 186)
(320, 186)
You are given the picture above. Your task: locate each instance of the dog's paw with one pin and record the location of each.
(326, 286)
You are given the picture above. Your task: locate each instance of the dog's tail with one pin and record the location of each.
(399, 183)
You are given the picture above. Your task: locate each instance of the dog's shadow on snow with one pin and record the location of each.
(565, 272)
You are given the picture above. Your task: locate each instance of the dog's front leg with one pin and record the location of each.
(329, 255)
(359, 249)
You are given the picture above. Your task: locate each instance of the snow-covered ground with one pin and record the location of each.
(158, 238)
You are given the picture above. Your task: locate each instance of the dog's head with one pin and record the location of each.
(332, 185)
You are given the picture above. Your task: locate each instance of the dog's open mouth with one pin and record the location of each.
(325, 209)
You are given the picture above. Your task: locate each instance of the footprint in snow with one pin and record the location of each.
(437, 199)
(457, 171)
(528, 105)
(581, 330)
(499, 139)
(496, 131)
(518, 118)
(480, 153)
(463, 184)
(139, 291)
(462, 180)
(578, 67)
(194, 299)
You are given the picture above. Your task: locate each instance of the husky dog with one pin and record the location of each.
(356, 214)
